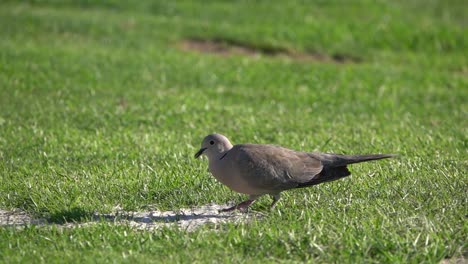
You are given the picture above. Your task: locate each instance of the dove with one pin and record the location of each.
(260, 169)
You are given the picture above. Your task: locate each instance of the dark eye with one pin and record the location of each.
(211, 142)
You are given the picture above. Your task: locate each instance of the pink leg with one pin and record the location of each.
(241, 206)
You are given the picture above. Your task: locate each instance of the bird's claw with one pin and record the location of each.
(244, 207)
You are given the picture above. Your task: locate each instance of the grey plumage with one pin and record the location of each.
(257, 170)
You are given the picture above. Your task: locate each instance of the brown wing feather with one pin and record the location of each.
(275, 168)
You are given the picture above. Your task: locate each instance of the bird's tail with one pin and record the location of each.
(350, 159)
(338, 160)
(335, 166)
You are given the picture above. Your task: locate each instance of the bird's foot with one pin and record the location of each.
(241, 206)
(276, 198)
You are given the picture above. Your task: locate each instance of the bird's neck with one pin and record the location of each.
(221, 154)
(217, 156)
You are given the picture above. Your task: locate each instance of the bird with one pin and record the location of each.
(264, 169)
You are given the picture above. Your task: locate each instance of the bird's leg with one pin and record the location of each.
(245, 204)
(241, 206)
(276, 198)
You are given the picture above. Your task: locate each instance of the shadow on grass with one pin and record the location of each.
(74, 214)
(188, 218)
(151, 217)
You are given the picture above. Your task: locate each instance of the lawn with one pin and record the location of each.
(104, 103)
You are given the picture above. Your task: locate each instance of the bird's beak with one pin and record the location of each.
(199, 152)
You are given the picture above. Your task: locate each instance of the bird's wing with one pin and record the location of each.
(274, 168)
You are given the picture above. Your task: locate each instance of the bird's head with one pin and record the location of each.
(214, 146)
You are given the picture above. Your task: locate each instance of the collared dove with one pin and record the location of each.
(256, 170)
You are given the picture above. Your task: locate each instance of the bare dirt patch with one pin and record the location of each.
(460, 260)
(230, 48)
(18, 218)
(188, 219)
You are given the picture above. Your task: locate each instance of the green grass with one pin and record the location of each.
(100, 107)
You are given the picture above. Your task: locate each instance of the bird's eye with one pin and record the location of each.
(211, 142)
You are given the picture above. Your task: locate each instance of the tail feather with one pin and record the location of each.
(335, 166)
(350, 159)
(338, 160)
(327, 175)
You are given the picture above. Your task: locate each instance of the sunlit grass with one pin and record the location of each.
(101, 108)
